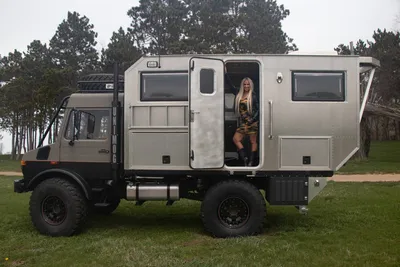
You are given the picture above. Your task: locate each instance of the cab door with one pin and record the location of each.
(206, 107)
(85, 146)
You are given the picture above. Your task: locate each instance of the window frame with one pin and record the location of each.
(311, 99)
(87, 109)
(155, 99)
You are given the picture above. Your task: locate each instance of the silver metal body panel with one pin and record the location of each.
(328, 132)
(315, 186)
(206, 131)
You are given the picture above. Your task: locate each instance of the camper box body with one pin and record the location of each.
(171, 126)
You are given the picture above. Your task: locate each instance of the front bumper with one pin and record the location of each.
(19, 186)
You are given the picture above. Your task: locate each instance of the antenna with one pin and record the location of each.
(158, 43)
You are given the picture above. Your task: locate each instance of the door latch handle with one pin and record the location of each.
(192, 112)
(105, 151)
(270, 136)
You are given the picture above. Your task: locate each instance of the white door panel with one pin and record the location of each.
(206, 105)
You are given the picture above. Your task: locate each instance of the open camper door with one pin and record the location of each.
(206, 109)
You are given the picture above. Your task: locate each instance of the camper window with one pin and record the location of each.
(318, 86)
(162, 86)
(206, 81)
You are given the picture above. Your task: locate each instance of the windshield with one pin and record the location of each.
(52, 131)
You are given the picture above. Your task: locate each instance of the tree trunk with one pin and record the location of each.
(13, 143)
(386, 124)
(397, 127)
(25, 138)
(365, 140)
(35, 135)
(21, 141)
(17, 137)
(376, 125)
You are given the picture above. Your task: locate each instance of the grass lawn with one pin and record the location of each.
(384, 158)
(349, 224)
(9, 165)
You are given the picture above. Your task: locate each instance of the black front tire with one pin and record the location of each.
(57, 207)
(233, 208)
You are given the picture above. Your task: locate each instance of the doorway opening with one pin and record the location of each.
(235, 73)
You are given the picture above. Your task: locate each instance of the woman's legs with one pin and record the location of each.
(237, 139)
(253, 141)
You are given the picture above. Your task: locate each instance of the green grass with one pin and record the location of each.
(384, 158)
(349, 224)
(9, 165)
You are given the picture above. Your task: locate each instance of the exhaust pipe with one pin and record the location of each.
(152, 192)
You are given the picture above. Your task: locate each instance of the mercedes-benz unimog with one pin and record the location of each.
(163, 131)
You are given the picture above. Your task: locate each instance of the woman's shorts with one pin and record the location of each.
(247, 129)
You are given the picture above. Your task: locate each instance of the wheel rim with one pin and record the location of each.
(233, 212)
(54, 211)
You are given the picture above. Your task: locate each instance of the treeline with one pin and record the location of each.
(385, 89)
(40, 77)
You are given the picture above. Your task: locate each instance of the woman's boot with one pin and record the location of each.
(253, 158)
(242, 155)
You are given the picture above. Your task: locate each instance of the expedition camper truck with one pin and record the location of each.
(163, 132)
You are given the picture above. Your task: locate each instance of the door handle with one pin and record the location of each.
(270, 119)
(103, 150)
(192, 112)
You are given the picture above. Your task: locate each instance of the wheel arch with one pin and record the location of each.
(61, 173)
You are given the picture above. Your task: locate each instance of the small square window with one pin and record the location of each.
(206, 81)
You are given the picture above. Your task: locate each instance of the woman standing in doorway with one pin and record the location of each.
(247, 106)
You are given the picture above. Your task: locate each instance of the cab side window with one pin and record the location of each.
(101, 125)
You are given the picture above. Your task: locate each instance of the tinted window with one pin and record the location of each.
(101, 126)
(207, 81)
(164, 87)
(318, 86)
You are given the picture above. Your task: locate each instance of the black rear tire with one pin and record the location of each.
(57, 207)
(233, 208)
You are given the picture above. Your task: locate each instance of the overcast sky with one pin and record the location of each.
(315, 25)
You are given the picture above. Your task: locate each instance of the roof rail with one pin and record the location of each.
(99, 83)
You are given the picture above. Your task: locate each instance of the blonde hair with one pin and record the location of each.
(240, 95)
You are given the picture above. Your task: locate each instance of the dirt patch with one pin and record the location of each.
(17, 263)
(366, 178)
(10, 173)
(194, 242)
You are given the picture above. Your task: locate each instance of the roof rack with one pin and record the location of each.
(99, 83)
